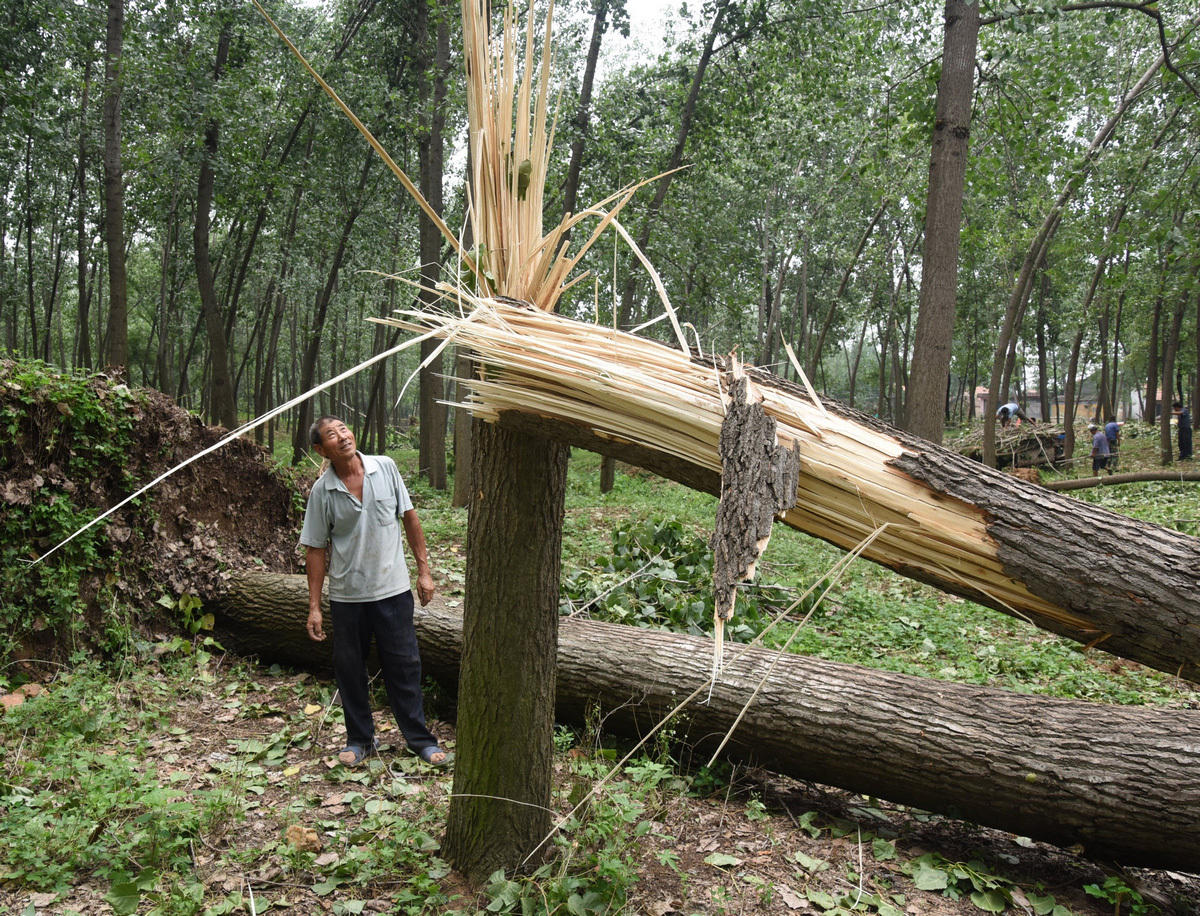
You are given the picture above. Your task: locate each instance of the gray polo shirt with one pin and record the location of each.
(365, 555)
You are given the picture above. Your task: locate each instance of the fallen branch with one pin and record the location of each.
(1082, 483)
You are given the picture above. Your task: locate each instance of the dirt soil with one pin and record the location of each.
(231, 509)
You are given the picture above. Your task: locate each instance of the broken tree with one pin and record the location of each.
(1125, 586)
(1122, 781)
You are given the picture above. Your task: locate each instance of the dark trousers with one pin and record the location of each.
(390, 621)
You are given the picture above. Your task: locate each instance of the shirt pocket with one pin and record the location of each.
(385, 510)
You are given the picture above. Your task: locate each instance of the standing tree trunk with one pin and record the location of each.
(116, 351)
(308, 367)
(933, 345)
(221, 405)
(431, 459)
(582, 113)
(1043, 369)
(814, 359)
(1170, 349)
(1150, 411)
(500, 805)
(83, 338)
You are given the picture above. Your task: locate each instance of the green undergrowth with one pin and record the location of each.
(64, 445)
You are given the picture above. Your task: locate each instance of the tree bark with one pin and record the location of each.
(431, 459)
(221, 404)
(1122, 781)
(463, 461)
(503, 775)
(116, 352)
(933, 344)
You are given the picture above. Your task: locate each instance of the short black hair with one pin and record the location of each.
(1177, 404)
(314, 431)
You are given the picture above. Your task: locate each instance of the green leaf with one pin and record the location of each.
(722, 860)
(809, 864)
(1042, 906)
(928, 878)
(992, 901)
(820, 898)
(124, 897)
(883, 849)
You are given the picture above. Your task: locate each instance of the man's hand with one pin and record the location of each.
(425, 588)
(315, 631)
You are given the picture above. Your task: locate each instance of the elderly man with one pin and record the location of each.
(352, 534)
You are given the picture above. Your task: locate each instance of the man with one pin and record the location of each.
(1099, 449)
(1112, 432)
(1010, 410)
(351, 533)
(1183, 429)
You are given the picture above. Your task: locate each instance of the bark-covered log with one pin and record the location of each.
(1083, 483)
(1124, 782)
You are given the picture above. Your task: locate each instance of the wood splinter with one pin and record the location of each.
(759, 477)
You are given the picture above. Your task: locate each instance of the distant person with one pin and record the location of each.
(1010, 410)
(1183, 429)
(1100, 450)
(352, 533)
(1112, 432)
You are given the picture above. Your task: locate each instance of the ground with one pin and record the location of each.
(299, 831)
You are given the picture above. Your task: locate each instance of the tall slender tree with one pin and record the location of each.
(116, 352)
(221, 405)
(933, 344)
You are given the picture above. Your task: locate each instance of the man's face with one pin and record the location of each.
(336, 441)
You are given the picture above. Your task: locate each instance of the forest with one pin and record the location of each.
(179, 199)
(869, 227)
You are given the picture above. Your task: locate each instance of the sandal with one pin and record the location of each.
(357, 753)
(426, 754)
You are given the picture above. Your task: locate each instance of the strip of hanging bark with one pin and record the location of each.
(758, 482)
(1122, 781)
(1082, 483)
(1100, 578)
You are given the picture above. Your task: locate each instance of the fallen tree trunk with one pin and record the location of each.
(1082, 483)
(1124, 782)
(1078, 570)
